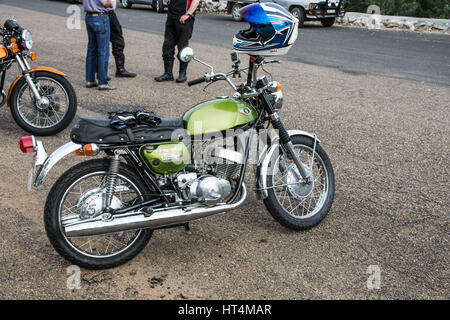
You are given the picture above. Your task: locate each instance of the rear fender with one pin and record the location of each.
(47, 69)
(54, 158)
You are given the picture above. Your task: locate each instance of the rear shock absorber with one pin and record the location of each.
(111, 179)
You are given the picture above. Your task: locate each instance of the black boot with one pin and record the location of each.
(121, 72)
(167, 75)
(182, 75)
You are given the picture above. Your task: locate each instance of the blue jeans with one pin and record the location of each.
(98, 47)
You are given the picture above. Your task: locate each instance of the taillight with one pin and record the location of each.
(27, 144)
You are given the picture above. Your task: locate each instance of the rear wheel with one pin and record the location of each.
(79, 194)
(235, 14)
(327, 23)
(300, 205)
(48, 119)
(126, 3)
(299, 13)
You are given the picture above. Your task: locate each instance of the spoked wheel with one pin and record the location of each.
(80, 195)
(53, 116)
(293, 202)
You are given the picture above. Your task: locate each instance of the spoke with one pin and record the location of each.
(101, 245)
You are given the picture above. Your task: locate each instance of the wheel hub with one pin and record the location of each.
(43, 103)
(93, 203)
(296, 185)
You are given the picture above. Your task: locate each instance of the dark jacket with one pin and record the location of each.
(177, 8)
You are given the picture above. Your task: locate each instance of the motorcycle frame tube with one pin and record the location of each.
(133, 159)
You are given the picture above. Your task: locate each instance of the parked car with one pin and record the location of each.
(157, 5)
(304, 10)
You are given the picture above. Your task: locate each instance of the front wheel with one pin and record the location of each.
(235, 12)
(55, 115)
(292, 202)
(327, 23)
(80, 194)
(299, 13)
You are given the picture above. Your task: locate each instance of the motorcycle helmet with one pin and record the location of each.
(273, 30)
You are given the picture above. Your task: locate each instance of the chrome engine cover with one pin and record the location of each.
(210, 190)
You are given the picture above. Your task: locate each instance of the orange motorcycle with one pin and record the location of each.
(42, 100)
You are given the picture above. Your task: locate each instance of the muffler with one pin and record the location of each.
(134, 220)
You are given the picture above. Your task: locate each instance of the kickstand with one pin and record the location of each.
(186, 227)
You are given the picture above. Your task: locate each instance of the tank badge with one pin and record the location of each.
(246, 111)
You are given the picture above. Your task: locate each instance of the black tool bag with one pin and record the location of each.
(99, 130)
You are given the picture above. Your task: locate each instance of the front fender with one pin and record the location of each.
(52, 159)
(263, 168)
(47, 69)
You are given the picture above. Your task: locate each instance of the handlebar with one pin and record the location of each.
(196, 81)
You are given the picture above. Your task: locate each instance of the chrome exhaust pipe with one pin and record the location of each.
(133, 220)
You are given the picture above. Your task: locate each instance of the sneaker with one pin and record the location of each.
(91, 84)
(106, 87)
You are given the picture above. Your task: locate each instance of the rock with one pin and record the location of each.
(97, 277)
(439, 26)
(157, 281)
(374, 21)
(213, 5)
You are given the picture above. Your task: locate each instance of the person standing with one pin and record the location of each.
(97, 56)
(179, 27)
(118, 44)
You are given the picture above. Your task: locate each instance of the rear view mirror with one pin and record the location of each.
(187, 54)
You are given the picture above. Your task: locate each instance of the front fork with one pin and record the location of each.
(286, 141)
(42, 102)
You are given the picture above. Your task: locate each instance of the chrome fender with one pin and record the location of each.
(263, 168)
(52, 159)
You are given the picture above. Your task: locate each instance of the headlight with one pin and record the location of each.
(27, 39)
(278, 100)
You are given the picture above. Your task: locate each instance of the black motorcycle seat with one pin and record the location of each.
(99, 130)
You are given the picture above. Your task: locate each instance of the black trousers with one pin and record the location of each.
(117, 41)
(176, 34)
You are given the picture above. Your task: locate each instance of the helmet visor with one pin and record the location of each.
(255, 15)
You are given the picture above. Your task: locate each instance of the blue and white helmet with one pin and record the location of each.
(273, 30)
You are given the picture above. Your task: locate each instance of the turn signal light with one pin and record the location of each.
(27, 144)
(14, 48)
(88, 150)
(278, 86)
(33, 56)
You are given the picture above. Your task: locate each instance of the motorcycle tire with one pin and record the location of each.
(53, 209)
(61, 124)
(276, 206)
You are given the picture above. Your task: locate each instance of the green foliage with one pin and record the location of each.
(412, 8)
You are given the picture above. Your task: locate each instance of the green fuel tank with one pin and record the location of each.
(218, 115)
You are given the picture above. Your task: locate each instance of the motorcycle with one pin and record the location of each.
(41, 100)
(102, 212)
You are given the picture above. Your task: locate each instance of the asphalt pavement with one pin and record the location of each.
(418, 56)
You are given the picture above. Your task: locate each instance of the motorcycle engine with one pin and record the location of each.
(215, 186)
